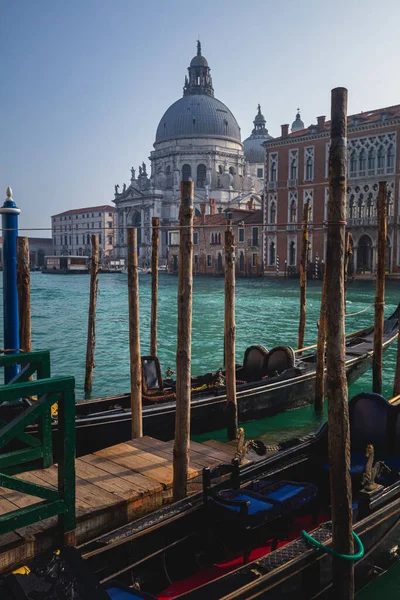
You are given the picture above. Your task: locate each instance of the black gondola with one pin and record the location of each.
(242, 538)
(268, 383)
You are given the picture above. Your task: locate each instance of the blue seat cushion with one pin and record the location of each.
(289, 495)
(117, 592)
(358, 460)
(258, 510)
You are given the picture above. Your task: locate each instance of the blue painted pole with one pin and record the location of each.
(10, 213)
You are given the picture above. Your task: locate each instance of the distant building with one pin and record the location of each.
(208, 243)
(297, 172)
(38, 249)
(197, 138)
(71, 231)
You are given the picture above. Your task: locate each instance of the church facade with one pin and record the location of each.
(197, 138)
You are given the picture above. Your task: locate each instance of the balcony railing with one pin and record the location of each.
(271, 227)
(362, 222)
(272, 185)
(292, 183)
(291, 227)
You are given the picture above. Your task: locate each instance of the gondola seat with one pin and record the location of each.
(254, 364)
(117, 591)
(280, 359)
(291, 496)
(152, 381)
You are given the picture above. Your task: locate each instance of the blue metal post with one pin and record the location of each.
(10, 214)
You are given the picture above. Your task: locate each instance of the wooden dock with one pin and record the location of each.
(113, 487)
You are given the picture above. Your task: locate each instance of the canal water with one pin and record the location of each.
(267, 313)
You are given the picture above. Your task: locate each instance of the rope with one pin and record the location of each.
(308, 538)
(360, 311)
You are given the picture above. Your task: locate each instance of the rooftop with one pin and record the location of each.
(369, 117)
(238, 215)
(77, 211)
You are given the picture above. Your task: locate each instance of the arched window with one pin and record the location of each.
(293, 169)
(370, 206)
(272, 253)
(362, 160)
(390, 157)
(292, 254)
(293, 212)
(273, 171)
(201, 176)
(220, 169)
(351, 207)
(353, 163)
(241, 261)
(309, 169)
(381, 158)
(232, 170)
(186, 172)
(360, 208)
(272, 213)
(371, 160)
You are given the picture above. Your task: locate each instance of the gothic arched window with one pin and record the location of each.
(371, 160)
(292, 254)
(351, 207)
(272, 253)
(390, 204)
(273, 171)
(360, 208)
(293, 169)
(293, 212)
(186, 172)
(272, 212)
(201, 176)
(390, 157)
(381, 158)
(353, 163)
(309, 169)
(362, 161)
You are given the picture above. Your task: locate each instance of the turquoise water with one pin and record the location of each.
(267, 312)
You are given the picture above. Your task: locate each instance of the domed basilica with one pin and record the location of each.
(197, 138)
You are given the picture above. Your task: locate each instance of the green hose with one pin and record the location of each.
(317, 544)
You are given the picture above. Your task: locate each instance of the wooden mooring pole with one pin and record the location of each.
(154, 286)
(134, 334)
(230, 333)
(338, 412)
(24, 294)
(91, 337)
(380, 290)
(303, 276)
(319, 396)
(184, 342)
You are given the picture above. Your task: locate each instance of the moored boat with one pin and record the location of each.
(264, 533)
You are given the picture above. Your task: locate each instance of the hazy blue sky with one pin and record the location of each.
(84, 83)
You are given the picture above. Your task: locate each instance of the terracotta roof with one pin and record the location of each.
(368, 117)
(238, 215)
(77, 211)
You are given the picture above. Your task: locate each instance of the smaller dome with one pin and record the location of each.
(253, 150)
(297, 124)
(199, 60)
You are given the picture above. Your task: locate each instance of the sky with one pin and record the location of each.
(84, 83)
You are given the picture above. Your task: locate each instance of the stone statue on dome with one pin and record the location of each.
(124, 188)
(144, 169)
(133, 174)
(116, 189)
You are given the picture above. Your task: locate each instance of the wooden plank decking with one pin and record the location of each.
(113, 486)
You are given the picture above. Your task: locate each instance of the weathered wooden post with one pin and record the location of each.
(338, 413)
(91, 338)
(396, 387)
(303, 276)
(380, 290)
(154, 286)
(230, 332)
(134, 334)
(320, 358)
(24, 294)
(184, 342)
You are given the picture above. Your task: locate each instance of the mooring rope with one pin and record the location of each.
(360, 311)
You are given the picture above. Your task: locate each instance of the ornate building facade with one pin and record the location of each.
(297, 172)
(197, 138)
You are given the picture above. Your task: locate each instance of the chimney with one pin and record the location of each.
(212, 206)
(250, 205)
(285, 130)
(203, 211)
(321, 123)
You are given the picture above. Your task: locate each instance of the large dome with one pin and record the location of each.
(198, 115)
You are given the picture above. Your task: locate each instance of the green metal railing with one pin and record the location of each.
(31, 363)
(26, 443)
